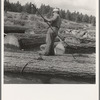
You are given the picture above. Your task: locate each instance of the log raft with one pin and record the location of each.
(30, 41)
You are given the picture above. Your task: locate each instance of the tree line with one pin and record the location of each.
(47, 11)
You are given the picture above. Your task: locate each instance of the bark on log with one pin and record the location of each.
(27, 62)
(14, 29)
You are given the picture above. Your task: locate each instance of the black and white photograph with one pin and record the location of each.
(49, 42)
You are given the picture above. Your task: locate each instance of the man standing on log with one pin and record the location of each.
(52, 32)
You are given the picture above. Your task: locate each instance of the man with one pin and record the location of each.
(52, 32)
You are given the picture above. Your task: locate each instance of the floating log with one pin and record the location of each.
(70, 47)
(65, 65)
(30, 41)
(27, 41)
(14, 29)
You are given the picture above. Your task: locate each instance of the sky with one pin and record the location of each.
(82, 6)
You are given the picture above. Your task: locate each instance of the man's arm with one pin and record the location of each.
(51, 19)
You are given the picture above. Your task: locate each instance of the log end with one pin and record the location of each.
(11, 41)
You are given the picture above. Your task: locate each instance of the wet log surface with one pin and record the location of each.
(62, 65)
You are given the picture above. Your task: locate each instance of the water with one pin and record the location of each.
(16, 78)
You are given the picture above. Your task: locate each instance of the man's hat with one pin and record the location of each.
(56, 10)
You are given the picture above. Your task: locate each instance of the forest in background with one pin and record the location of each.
(46, 10)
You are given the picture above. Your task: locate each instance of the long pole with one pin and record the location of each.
(51, 27)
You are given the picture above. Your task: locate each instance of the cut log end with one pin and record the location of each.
(11, 41)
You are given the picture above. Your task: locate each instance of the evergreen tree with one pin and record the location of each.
(6, 5)
(18, 7)
(63, 14)
(93, 21)
(90, 19)
(68, 15)
(85, 18)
